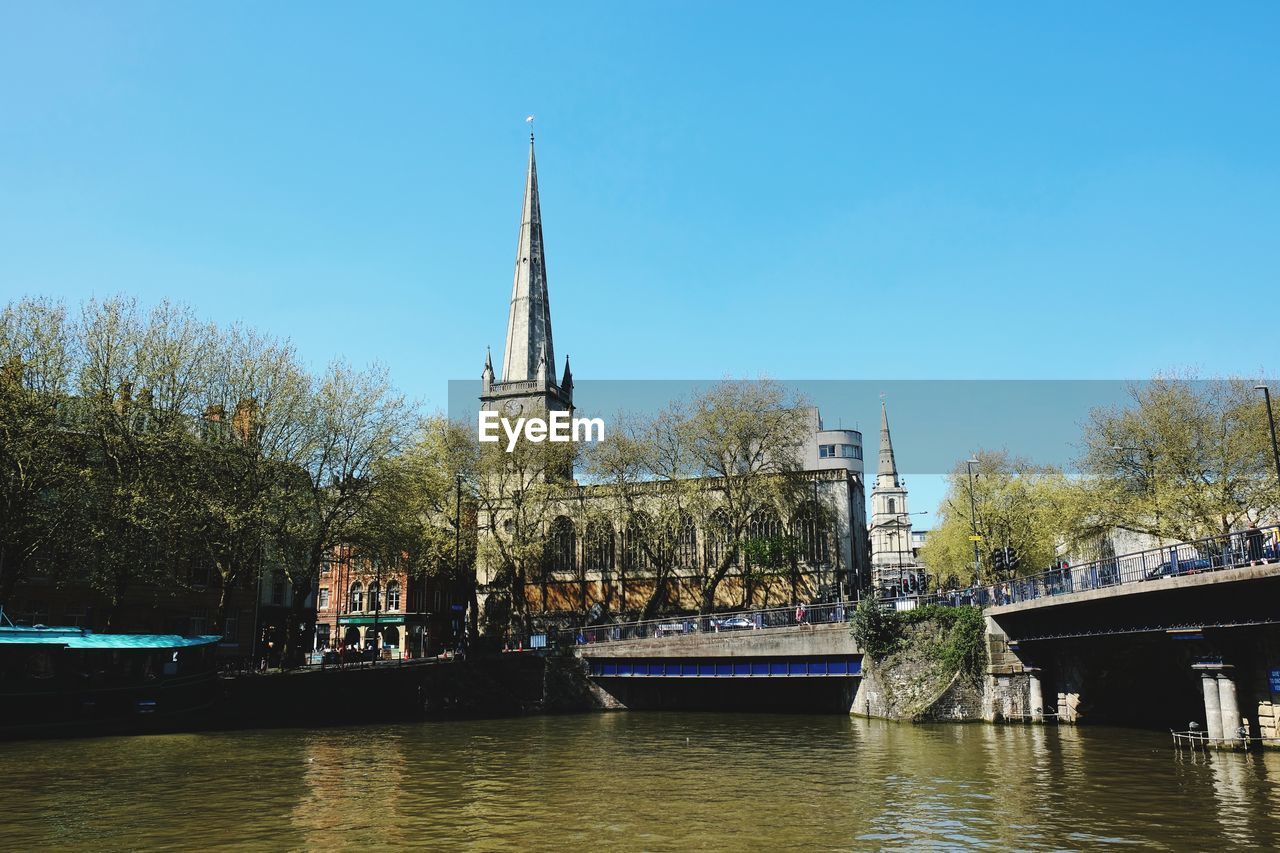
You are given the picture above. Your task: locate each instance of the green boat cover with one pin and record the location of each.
(79, 638)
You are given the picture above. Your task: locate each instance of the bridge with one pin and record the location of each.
(1185, 633)
(782, 658)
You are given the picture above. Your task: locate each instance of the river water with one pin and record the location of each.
(656, 781)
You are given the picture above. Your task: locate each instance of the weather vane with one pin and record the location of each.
(529, 121)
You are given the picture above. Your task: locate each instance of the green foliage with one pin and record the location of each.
(957, 635)
(877, 631)
(146, 447)
(962, 646)
(1020, 505)
(1186, 459)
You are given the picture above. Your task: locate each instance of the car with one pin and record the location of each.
(736, 623)
(1188, 566)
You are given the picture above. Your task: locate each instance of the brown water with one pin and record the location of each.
(657, 781)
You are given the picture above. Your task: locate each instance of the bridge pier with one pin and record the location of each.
(1035, 694)
(1221, 704)
(1212, 701)
(1230, 707)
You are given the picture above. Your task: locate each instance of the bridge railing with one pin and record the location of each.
(710, 623)
(1256, 546)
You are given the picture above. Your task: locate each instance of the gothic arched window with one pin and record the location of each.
(597, 553)
(636, 544)
(892, 506)
(355, 601)
(686, 543)
(810, 531)
(717, 541)
(560, 551)
(393, 595)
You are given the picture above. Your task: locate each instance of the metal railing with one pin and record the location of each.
(1256, 546)
(1211, 554)
(709, 623)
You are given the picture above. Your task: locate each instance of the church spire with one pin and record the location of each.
(529, 323)
(887, 473)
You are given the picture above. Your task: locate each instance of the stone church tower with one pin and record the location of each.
(891, 558)
(528, 363)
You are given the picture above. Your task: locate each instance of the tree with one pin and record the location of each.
(41, 479)
(518, 496)
(1030, 508)
(643, 469)
(141, 375)
(1186, 459)
(252, 444)
(351, 422)
(745, 437)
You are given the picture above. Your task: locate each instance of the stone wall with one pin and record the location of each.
(910, 684)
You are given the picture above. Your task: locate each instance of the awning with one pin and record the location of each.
(388, 619)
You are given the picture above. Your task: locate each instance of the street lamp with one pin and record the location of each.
(973, 518)
(1271, 424)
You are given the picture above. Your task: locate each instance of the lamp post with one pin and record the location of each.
(1271, 424)
(973, 518)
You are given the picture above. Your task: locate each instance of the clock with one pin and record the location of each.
(513, 408)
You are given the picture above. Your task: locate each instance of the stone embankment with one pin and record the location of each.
(500, 686)
(912, 683)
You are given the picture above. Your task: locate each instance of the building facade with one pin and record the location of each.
(364, 609)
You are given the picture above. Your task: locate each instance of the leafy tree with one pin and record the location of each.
(518, 495)
(351, 421)
(41, 481)
(1186, 459)
(1030, 508)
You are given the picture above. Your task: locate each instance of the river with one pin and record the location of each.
(656, 781)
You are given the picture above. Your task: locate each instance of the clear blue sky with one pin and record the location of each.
(847, 191)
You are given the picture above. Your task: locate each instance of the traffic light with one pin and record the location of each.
(998, 559)
(1011, 559)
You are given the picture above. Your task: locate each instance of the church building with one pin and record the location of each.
(592, 565)
(894, 568)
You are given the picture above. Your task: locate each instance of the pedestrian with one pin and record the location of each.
(1253, 536)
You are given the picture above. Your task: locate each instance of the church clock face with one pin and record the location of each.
(513, 408)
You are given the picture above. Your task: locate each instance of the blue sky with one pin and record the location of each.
(849, 191)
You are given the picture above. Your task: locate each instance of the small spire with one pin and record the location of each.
(567, 382)
(887, 472)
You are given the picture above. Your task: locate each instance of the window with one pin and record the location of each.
(560, 551)
(231, 628)
(393, 595)
(324, 598)
(322, 636)
(826, 451)
(277, 589)
(375, 596)
(892, 506)
(597, 550)
(850, 451)
(355, 602)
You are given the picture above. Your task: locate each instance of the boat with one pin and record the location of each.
(69, 681)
